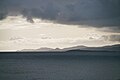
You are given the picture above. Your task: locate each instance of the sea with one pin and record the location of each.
(60, 65)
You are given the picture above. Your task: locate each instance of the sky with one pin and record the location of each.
(32, 24)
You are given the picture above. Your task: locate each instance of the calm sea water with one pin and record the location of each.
(40, 66)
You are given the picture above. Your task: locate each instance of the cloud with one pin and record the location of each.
(97, 13)
(113, 38)
(110, 29)
(19, 43)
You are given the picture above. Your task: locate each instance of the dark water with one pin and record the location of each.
(38, 66)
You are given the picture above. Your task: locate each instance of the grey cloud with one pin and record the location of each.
(111, 38)
(100, 13)
(115, 29)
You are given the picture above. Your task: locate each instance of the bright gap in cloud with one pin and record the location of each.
(20, 34)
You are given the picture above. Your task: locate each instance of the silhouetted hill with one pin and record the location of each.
(76, 48)
(105, 48)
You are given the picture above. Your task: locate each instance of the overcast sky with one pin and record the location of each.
(31, 24)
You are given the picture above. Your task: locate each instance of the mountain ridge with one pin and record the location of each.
(76, 48)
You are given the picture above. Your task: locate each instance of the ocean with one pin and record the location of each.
(59, 66)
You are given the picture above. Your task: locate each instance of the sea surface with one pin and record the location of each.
(59, 66)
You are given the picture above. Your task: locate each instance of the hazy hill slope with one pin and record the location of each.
(104, 48)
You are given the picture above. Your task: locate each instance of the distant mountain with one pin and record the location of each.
(105, 48)
(74, 48)
(43, 49)
(84, 48)
(78, 48)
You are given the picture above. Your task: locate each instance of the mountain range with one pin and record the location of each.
(76, 48)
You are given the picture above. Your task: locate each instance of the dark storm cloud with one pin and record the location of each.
(100, 13)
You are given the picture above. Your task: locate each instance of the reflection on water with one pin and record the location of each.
(42, 67)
